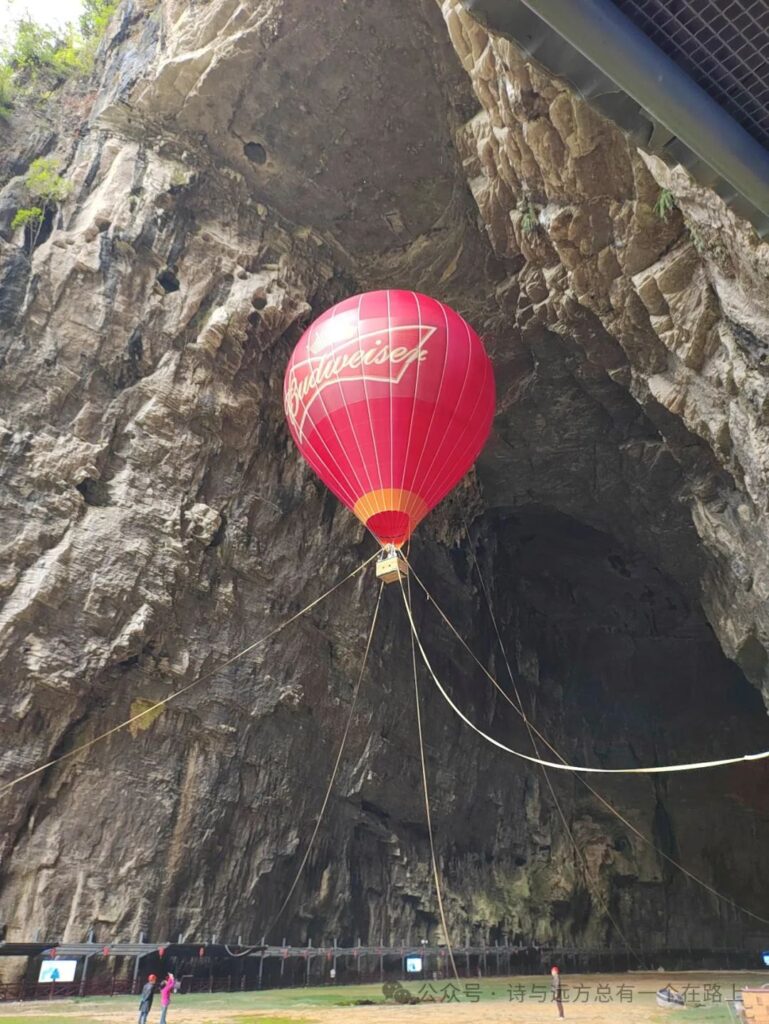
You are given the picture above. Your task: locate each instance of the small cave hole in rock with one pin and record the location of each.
(128, 663)
(220, 532)
(255, 152)
(168, 280)
(95, 492)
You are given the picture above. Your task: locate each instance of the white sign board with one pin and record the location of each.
(57, 970)
(413, 965)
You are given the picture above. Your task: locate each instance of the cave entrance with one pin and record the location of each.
(611, 649)
(619, 667)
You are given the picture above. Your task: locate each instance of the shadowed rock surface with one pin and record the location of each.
(237, 168)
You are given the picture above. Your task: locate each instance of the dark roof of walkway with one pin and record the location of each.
(77, 949)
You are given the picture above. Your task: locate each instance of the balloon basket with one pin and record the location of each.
(391, 566)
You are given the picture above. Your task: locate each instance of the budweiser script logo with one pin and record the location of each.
(381, 357)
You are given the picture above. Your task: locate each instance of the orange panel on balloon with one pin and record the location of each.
(390, 397)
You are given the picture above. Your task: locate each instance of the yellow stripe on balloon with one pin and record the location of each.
(391, 499)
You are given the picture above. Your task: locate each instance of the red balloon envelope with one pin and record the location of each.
(390, 397)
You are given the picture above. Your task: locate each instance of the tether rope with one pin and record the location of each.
(185, 689)
(334, 771)
(565, 767)
(426, 791)
(609, 806)
(529, 728)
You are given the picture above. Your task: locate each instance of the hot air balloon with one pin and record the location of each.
(389, 397)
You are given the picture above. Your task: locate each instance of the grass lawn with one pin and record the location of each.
(41, 1020)
(266, 1020)
(704, 1015)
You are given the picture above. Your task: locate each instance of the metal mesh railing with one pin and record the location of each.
(722, 44)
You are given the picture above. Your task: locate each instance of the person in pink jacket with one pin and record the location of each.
(165, 996)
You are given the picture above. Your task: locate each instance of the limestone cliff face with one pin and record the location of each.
(236, 168)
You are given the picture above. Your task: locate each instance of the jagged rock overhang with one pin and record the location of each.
(627, 78)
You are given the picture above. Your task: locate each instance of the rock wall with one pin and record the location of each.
(236, 169)
(673, 310)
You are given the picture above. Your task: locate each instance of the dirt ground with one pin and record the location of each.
(605, 999)
(500, 1013)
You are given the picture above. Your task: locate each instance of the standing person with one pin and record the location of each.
(145, 1005)
(555, 979)
(165, 996)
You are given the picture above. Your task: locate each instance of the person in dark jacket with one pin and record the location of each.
(555, 978)
(146, 999)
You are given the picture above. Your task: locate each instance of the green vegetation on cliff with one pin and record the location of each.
(46, 189)
(40, 58)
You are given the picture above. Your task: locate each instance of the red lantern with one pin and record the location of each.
(202, 951)
(105, 950)
(161, 951)
(390, 396)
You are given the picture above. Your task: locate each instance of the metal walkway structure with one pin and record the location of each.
(612, 53)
